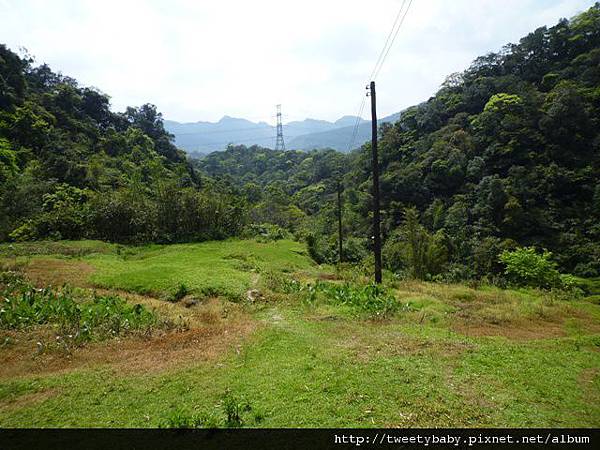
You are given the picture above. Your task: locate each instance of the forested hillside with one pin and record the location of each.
(506, 154)
(70, 168)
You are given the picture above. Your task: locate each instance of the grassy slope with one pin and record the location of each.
(318, 367)
(226, 267)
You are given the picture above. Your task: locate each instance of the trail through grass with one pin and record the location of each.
(450, 355)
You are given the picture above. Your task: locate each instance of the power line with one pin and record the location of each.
(378, 69)
(356, 124)
(244, 141)
(398, 21)
(391, 37)
(388, 39)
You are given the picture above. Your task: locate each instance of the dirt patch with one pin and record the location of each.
(126, 355)
(408, 346)
(589, 390)
(204, 332)
(56, 272)
(553, 323)
(29, 399)
(587, 378)
(205, 311)
(391, 343)
(327, 276)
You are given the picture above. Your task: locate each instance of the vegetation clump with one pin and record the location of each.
(23, 306)
(372, 299)
(233, 413)
(526, 267)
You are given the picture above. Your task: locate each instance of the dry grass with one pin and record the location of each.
(135, 354)
(518, 315)
(30, 399)
(57, 272)
(204, 331)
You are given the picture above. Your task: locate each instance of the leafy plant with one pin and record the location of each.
(234, 408)
(524, 266)
(234, 411)
(180, 419)
(181, 291)
(414, 249)
(372, 299)
(78, 319)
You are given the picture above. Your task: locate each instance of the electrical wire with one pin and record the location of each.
(377, 69)
(356, 124)
(389, 36)
(226, 131)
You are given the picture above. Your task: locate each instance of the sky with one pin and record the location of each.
(200, 60)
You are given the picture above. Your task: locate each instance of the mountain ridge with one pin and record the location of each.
(204, 137)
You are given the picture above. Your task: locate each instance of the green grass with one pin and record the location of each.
(303, 373)
(225, 268)
(66, 248)
(315, 365)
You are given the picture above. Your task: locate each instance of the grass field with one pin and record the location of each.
(451, 355)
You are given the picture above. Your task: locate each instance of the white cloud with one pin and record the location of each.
(200, 60)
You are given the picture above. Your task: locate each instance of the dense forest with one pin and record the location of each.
(70, 168)
(506, 154)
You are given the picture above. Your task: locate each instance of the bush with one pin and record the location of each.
(23, 306)
(179, 419)
(524, 266)
(415, 250)
(179, 293)
(234, 415)
(316, 250)
(266, 232)
(372, 299)
(234, 408)
(64, 215)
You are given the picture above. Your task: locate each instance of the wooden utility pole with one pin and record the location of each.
(339, 214)
(375, 168)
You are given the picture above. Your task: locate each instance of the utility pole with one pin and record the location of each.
(279, 144)
(339, 214)
(375, 168)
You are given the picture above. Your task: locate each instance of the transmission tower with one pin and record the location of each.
(279, 144)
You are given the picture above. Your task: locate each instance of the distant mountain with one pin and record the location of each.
(199, 138)
(206, 137)
(339, 138)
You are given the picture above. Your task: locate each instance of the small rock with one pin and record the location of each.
(253, 295)
(189, 302)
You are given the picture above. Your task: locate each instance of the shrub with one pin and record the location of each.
(266, 232)
(234, 408)
(179, 419)
(415, 250)
(524, 266)
(372, 299)
(234, 415)
(23, 306)
(181, 292)
(316, 250)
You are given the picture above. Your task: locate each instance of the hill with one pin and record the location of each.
(338, 138)
(72, 168)
(447, 354)
(506, 154)
(204, 137)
